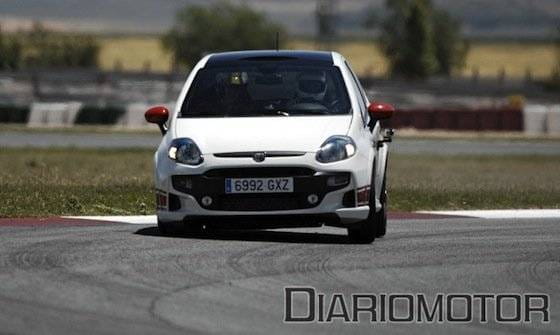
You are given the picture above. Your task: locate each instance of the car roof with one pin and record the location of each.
(301, 57)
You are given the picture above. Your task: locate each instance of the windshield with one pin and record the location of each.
(266, 89)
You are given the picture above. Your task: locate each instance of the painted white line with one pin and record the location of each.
(137, 219)
(504, 214)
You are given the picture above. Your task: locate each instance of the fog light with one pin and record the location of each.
(182, 183)
(206, 201)
(161, 200)
(313, 199)
(362, 196)
(338, 180)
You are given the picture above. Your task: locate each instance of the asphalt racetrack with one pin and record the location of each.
(68, 276)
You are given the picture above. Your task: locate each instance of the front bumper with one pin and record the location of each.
(186, 186)
(340, 217)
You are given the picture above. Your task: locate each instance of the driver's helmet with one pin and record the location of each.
(312, 85)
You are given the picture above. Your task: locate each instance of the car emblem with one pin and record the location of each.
(259, 157)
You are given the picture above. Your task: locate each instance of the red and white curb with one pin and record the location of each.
(399, 216)
(152, 219)
(423, 215)
(134, 219)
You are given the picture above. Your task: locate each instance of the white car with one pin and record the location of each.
(273, 139)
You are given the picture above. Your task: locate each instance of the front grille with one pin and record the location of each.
(251, 154)
(260, 172)
(260, 202)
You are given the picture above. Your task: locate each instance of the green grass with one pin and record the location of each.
(75, 182)
(52, 182)
(473, 182)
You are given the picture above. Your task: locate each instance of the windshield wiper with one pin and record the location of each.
(283, 113)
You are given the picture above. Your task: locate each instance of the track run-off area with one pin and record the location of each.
(118, 275)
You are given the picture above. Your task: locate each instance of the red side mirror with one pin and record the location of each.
(380, 110)
(158, 115)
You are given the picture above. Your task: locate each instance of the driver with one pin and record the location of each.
(311, 87)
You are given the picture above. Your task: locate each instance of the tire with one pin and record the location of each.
(376, 223)
(179, 228)
(381, 217)
(369, 229)
(193, 228)
(166, 228)
(365, 234)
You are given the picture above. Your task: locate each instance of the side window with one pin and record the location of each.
(363, 98)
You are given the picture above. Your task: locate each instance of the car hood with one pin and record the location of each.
(294, 133)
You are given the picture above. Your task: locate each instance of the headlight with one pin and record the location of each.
(185, 151)
(336, 148)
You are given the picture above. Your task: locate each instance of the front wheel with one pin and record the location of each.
(376, 223)
(381, 224)
(167, 228)
(179, 228)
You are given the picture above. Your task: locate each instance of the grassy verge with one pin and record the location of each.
(473, 182)
(75, 182)
(51, 182)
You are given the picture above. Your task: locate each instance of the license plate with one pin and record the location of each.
(260, 185)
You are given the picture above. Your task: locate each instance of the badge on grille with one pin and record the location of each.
(259, 156)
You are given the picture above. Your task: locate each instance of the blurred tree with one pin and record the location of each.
(408, 38)
(420, 41)
(450, 47)
(10, 52)
(325, 19)
(44, 48)
(393, 32)
(554, 82)
(557, 44)
(371, 18)
(220, 27)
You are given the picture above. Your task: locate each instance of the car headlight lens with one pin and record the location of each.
(336, 148)
(185, 151)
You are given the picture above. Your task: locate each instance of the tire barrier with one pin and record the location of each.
(533, 119)
(553, 120)
(92, 115)
(13, 114)
(61, 114)
(504, 119)
(134, 115)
